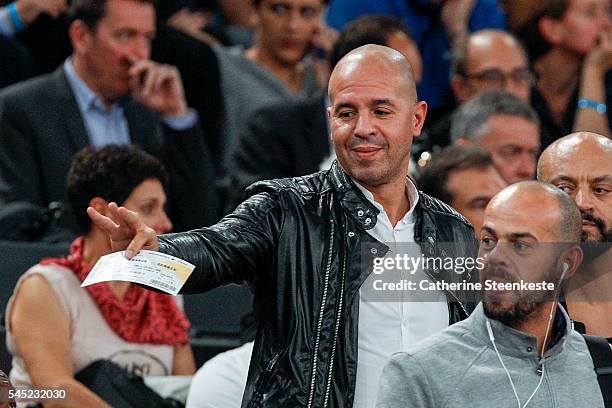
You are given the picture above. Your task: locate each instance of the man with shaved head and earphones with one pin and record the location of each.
(519, 347)
(299, 243)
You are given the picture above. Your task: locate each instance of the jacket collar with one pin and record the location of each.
(354, 202)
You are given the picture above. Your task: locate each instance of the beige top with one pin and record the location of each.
(90, 335)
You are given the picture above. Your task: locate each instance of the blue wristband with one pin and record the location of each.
(597, 106)
(15, 17)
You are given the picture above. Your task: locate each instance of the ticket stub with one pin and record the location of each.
(150, 268)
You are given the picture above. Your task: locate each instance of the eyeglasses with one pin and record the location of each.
(497, 78)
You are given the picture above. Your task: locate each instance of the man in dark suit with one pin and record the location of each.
(108, 92)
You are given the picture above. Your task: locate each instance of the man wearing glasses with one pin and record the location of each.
(491, 59)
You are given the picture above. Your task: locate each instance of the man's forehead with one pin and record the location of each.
(122, 11)
(522, 208)
(510, 220)
(369, 89)
(367, 92)
(578, 160)
(374, 65)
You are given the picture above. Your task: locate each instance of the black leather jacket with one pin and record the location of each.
(298, 243)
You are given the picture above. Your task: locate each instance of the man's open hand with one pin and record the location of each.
(125, 229)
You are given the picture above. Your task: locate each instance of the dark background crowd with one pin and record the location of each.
(224, 93)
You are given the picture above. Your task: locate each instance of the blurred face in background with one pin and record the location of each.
(402, 43)
(583, 169)
(107, 52)
(285, 28)
(148, 200)
(472, 189)
(494, 60)
(514, 146)
(581, 26)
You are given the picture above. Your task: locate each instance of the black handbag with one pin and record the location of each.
(120, 388)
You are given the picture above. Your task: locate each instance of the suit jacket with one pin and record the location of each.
(41, 128)
(16, 64)
(281, 140)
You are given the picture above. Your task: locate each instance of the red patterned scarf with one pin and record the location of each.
(142, 316)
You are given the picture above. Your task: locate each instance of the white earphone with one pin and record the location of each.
(565, 269)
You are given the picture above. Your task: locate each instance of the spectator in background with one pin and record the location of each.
(380, 29)
(187, 16)
(273, 69)
(56, 328)
(107, 92)
(237, 21)
(504, 126)
(490, 59)
(438, 26)
(292, 139)
(581, 165)
(465, 179)
(570, 47)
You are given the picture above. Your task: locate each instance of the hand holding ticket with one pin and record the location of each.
(126, 230)
(154, 269)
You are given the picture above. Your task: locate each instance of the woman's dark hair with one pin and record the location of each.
(529, 32)
(369, 29)
(112, 173)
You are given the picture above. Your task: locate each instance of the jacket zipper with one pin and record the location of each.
(320, 321)
(451, 294)
(338, 315)
(263, 381)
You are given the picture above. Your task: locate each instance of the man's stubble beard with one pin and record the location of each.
(522, 307)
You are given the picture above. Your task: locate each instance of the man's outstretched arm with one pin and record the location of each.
(232, 251)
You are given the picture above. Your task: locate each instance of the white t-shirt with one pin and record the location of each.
(220, 382)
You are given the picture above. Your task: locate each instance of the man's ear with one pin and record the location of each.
(420, 113)
(80, 37)
(573, 258)
(550, 30)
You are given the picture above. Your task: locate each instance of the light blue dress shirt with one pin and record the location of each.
(106, 126)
